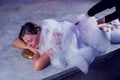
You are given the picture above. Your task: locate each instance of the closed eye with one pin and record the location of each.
(30, 40)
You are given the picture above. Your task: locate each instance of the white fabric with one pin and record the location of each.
(92, 35)
(64, 45)
(114, 32)
(51, 41)
(115, 36)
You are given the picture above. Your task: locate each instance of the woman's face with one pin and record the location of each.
(31, 40)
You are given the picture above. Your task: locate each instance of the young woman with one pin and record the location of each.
(29, 39)
(63, 43)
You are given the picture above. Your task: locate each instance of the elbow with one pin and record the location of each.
(38, 67)
(14, 43)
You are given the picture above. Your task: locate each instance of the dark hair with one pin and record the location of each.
(29, 28)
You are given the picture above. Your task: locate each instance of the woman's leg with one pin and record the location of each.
(40, 62)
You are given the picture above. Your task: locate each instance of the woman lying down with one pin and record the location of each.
(63, 43)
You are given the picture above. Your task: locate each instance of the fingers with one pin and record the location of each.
(34, 50)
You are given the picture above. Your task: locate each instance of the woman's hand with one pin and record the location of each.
(34, 50)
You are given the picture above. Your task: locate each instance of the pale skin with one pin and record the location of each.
(31, 42)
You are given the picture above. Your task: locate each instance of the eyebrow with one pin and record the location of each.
(29, 40)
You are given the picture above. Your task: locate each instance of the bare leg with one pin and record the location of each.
(101, 21)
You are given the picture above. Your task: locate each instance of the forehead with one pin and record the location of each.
(26, 37)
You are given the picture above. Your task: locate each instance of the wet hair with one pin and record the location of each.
(30, 29)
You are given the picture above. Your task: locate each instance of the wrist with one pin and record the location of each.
(27, 47)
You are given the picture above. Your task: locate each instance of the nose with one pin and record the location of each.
(31, 45)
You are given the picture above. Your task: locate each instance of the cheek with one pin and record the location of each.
(35, 40)
(32, 44)
(28, 44)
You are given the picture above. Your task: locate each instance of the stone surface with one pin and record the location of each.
(14, 13)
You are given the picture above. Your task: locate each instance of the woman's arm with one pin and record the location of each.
(19, 44)
(41, 61)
